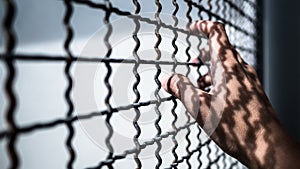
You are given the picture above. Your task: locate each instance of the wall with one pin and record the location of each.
(282, 58)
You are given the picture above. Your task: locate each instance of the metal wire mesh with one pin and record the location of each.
(242, 24)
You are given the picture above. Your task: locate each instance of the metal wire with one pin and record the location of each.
(173, 111)
(157, 96)
(107, 84)
(189, 19)
(135, 85)
(69, 30)
(223, 11)
(9, 49)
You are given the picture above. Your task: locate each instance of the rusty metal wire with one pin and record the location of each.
(224, 11)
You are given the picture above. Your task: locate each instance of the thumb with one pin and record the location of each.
(192, 97)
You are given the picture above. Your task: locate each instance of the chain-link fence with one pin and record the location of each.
(136, 44)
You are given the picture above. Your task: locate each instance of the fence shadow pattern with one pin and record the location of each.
(240, 19)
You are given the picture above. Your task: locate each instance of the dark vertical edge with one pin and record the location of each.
(199, 145)
(233, 164)
(69, 37)
(217, 155)
(10, 43)
(199, 10)
(135, 85)
(107, 84)
(209, 8)
(156, 93)
(208, 153)
(259, 40)
(173, 110)
(189, 19)
(224, 161)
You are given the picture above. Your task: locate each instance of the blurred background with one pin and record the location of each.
(40, 87)
(281, 60)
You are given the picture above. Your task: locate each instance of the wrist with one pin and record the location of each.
(274, 148)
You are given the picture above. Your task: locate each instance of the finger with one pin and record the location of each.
(204, 82)
(222, 54)
(192, 97)
(219, 45)
(204, 56)
(214, 31)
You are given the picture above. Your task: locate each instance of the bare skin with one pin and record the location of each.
(247, 128)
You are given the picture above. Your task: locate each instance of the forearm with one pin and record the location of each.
(275, 149)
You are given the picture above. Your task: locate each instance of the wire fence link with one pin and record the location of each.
(241, 22)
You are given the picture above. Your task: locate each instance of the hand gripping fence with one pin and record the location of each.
(242, 19)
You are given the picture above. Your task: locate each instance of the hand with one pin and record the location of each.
(236, 112)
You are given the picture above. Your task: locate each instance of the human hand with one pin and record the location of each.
(236, 112)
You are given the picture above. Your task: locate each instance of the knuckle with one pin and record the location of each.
(219, 25)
